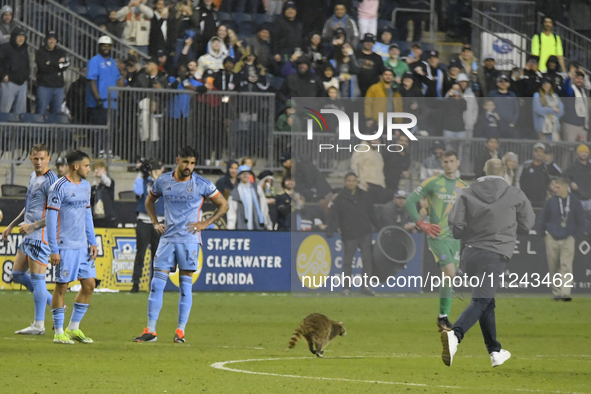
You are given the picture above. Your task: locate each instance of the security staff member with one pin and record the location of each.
(486, 216)
(144, 232)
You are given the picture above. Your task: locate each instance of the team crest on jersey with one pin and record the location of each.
(443, 257)
(190, 189)
(65, 274)
(458, 189)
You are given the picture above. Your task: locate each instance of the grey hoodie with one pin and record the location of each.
(489, 214)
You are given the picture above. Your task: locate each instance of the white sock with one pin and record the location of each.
(74, 325)
(38, 324)
(59, 331)
(442, 316)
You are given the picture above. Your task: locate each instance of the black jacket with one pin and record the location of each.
(49, 72)
(453, 110)
(287, 36)
(206, 21)
(144, 80)
(370, 68)
(14, 60)
(394, 164)
(353, 214)
(105, 195)
(302, 85)
(157, 41)
(283, 207)
(535, 179)
(581, 175)
(310, 182)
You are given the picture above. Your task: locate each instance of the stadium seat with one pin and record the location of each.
(96, 11)
(57, 118)
(10, 117)
(14, 191)
(224, 16)
(31, 118)
(264, 18)
(245, 22)
(383, 23)
(76, 7)
(128, 195)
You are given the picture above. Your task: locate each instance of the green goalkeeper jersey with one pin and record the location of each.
(441, 192)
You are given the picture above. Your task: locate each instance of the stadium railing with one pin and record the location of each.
(16, 139)
(514, 14)
(433, 18)
(220, 125)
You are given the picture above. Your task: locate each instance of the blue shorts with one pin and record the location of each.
(75, 264)
(186, 256)
(36, 249)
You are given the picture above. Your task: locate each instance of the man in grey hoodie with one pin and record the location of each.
(487, 217)
(7, 24)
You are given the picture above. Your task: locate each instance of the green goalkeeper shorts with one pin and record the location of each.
(445, 251)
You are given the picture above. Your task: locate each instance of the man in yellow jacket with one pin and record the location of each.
(379, 98)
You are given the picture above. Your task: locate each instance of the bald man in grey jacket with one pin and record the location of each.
(487, 217)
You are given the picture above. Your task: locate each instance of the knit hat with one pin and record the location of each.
(583, 148)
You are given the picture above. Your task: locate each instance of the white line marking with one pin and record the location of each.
(242, 347)
(222, 365)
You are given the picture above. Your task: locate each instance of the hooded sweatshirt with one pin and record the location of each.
(211, 60)
(6, 29)
(50, 72)
(14, 60)
(488, 215)
(347, 23)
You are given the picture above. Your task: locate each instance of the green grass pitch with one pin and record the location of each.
(392, 346)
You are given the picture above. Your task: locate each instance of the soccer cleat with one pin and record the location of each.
(179, 336)
(146, 336)
(62, 338)
(78, 335)
(498, 358)
(450, 346)
(444, 324)
(31, 331)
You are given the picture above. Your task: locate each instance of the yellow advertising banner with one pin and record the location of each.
(114, 263)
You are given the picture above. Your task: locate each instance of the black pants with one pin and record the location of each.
(481, 309)
(145, 235)
(351, 246)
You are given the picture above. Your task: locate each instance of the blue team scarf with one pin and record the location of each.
(248, 201)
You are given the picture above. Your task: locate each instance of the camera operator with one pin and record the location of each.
(150, 170)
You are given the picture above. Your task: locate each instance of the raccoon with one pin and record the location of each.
(318, 330)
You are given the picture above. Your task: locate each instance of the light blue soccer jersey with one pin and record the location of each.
(36, 202)
(182, 204)
(73, 228)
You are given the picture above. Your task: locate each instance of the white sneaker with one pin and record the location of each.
(450, 346)
(498, 358)
(31, 331)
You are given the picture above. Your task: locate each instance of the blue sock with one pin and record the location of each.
(49, 296)
(155, 300)
(21, 277)
(39, 295)
(77, 315)
(58, 320)
(185, 300)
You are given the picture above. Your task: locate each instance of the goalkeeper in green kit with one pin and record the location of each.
(441, 192)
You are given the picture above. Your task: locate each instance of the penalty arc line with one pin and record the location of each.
(222, 365)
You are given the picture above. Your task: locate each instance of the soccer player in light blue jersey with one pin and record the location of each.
(72, 244)
(33, 252)
(183, 193)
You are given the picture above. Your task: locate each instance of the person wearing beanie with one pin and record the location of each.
(7, 24)
(247, 205)
(579, 175)
(51, 64)
(14, 73)
(553, 72)
(547, 110)
(341, 20)
(534, 175)
(261, 45)
(288, 33)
